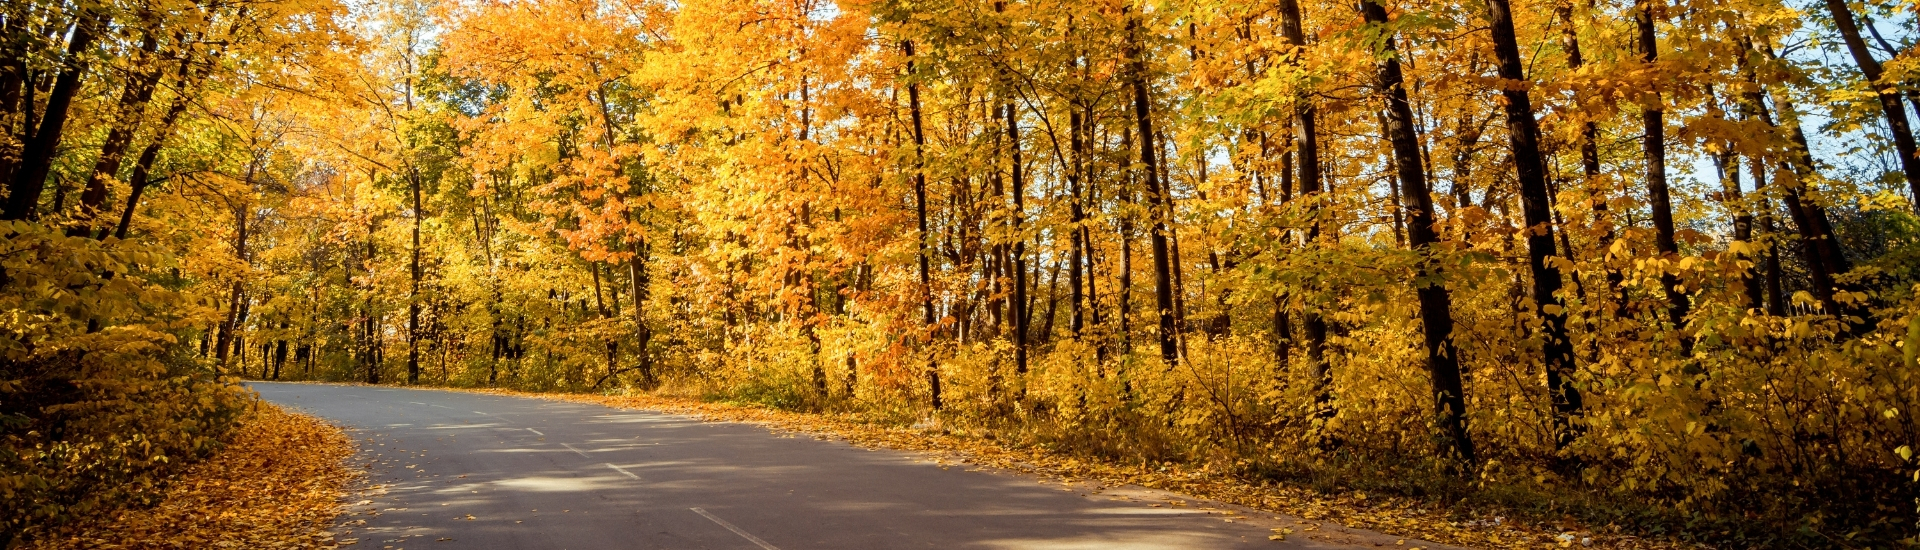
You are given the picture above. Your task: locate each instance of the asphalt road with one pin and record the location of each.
(464, 470)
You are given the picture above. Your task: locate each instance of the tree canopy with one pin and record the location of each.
(1649, 258)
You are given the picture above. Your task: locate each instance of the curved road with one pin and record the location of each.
(466, 470)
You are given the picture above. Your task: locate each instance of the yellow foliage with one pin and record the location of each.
(277, 482)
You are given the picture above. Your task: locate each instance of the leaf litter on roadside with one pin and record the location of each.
(1393, 515)
(278, 483)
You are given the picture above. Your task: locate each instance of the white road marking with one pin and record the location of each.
(736, 530)
(535, 431)
(570, 448)
(623, 470)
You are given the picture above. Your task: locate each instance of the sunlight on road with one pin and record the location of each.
(549, 484)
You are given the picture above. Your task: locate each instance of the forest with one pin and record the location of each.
(1645, 263)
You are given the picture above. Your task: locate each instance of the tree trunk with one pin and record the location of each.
(13, 83)
(1283, 339)
(1088, 252)
(1045, 334)
(1524, 138)
(224, 339)
(133, 101)
(413, 292)
(1124, 285)
(370, 321)
(641, 283)
(1167, 207)
(236, 311)
(1436, 304)
(142, 167)
(1776, 299)
(1820, 266)
(1156, 196)
(1022, 317)
(36, 157)
(1728, 166)
(1819, 251)
(280, 350)
(1890, 102)
(1590, 160)
(1307, 160)
(600, 306)
(920, 212)
(1076, 216)
(1653, 120)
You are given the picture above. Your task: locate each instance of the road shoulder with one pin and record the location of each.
(1290, 513)
(278, 483)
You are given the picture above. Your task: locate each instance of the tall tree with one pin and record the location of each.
(1436, 304)
(37, 156)
(1659, 198)
(1306, 141)
(1898, 127)
(920, 213)
(133, 101)
(1523, 134)
(1157, 197)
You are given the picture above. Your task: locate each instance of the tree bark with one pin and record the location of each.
(280, 351)
(413, 291)
(1123, 291)
(920, 213)
(1776, 300)
(1156, 195)
(1087, 250)
(1523, 133)
(1819, 269)
(370, 321)
(36, 157)
(1590, 160)
(13, 80)
(142, 177)
(1891, 106)
(1728, 165)
(1022, 316)
(1306, 142)
(133, 101)
(1819, 251)
(1076, 216)
(1653, 121)
(237, 295)
(1436, 304)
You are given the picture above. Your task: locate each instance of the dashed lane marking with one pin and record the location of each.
(736, 530)
(623, 471)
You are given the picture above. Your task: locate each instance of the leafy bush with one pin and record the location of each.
(99, 401)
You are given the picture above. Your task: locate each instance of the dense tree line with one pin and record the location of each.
(1620, 252)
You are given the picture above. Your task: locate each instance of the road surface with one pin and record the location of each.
(474, 471)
